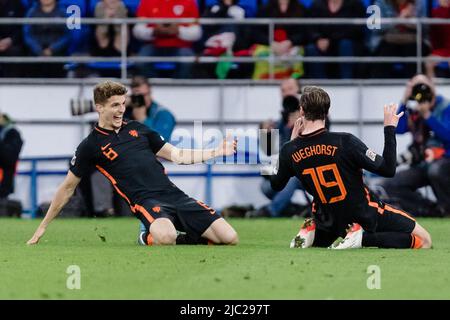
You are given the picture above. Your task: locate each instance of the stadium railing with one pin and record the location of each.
(124, 60)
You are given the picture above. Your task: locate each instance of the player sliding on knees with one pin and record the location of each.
(126, 153)
(329, 165)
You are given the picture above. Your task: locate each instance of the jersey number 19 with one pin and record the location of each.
(319, 182)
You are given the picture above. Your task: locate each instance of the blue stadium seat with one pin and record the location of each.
(92, 4)
(27, 4)
(306, 3)
(443, 65)
(164, 66)
(80, 3)
(132, 6)
(367, 3)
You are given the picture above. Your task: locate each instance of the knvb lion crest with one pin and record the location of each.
(134, 133)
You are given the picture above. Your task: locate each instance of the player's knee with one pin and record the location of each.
(166, 238)
(426, 241)
(230, 238)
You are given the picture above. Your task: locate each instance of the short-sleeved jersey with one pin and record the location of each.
(168, 9)
(329, 165)
(127, 158)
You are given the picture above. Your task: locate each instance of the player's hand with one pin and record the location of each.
(228, 147)
(37, 235)
(298, 128)
(390, 115)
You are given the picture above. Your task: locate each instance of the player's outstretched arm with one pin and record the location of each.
(62, 196)
(386, 164)
(191, 156)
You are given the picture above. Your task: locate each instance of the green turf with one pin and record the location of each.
(260, 267)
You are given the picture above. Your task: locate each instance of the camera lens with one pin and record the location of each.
(421, 92)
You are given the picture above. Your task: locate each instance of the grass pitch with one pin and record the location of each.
(261, 267)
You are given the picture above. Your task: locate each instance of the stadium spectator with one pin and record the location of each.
(10, 147)
(147, 111)
(167, 39)
(46, 40)
(129, 160)
(440, 38)
(335, 40)
(397, 39)
(288, 40)
(108, 36)
(11, 43)
(223, 39)
(428, 120)
(329, 165)
(281, 201)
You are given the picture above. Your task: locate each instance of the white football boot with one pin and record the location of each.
(305, 237)
(353, 239)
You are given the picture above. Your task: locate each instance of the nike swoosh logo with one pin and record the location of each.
(104, 148)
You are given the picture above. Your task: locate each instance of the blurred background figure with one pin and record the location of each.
(281, 204)
(226, 40)
(11, 43)
(288, 40)
(398, 40)
(167, 39)
(427, 118)
(108, 36)
(440, 41)
(10, 146)
(335, 40)
(143, 108)
(46, 40)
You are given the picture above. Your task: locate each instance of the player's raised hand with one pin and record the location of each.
(298, 128)
(228, 147)
(37, 235)
(390, 115)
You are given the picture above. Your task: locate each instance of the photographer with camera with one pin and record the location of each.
(281, 201)
(10, 147)
(428, 120)
(143, 108)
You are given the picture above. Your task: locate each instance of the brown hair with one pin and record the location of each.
(105, 90)
(315, 103)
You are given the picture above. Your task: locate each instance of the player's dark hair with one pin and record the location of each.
(315, 103)
(105, 90)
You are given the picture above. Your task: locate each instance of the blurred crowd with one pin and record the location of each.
(225, 40)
